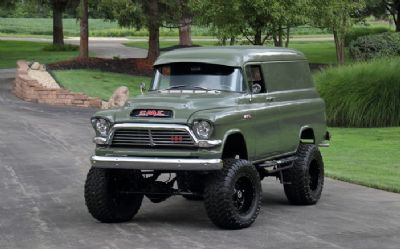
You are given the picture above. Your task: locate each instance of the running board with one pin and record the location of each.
(274, 166)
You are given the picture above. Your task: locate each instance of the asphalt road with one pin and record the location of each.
(44, 155)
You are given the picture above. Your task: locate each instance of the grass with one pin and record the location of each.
(316, 52)
(100, 27)
(362, 95)
(98, 84)
(319, 52)
(368, 157)
(11, 51)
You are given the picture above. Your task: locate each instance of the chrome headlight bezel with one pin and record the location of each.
(101, 126)
(202, 129)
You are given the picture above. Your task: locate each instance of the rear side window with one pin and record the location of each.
(281, 76)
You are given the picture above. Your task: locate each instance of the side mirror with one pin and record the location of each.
(256, 88)
(142, 87)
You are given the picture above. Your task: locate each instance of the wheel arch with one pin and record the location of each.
(307, 135)
(234, 143)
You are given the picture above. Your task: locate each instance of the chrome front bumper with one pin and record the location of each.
(145, 163)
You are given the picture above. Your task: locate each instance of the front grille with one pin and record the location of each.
(151, 137)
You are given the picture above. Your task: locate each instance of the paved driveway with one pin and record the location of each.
(43, 162)
(101, 47)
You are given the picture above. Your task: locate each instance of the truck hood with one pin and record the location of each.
(182, 104)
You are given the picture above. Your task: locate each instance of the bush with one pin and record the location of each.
(362, 95)
(61, 48)
(357, 32)
(375, 46)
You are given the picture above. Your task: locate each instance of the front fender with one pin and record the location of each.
(228, 121)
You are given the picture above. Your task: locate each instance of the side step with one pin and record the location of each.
(274, 166)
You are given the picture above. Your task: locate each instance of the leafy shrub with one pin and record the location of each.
(375, 46)
(362, 95)
(61, 48)
(357, 32)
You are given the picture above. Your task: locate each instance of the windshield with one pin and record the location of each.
(198, 76)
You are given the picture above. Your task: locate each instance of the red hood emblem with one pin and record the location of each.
(152, 113)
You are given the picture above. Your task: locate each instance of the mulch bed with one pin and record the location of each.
(140, 67)
(133, 66)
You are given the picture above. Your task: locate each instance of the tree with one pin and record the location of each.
(338, 16)
(138, 14)
(6, 7)
(256, 20)
(178, 14)
(384, 8)
(84, 24)
(58, 8)
(291, 14)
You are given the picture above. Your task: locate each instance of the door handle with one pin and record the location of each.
(270, 99)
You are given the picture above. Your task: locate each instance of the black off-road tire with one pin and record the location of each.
(221, 195)
(304, 182)
(192, 182)
(103, 196)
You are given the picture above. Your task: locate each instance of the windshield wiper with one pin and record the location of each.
(202, 88)
(190, 88)
(175, 87)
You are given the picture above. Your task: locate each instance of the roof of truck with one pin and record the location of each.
(229, 56)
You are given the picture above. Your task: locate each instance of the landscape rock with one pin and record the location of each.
(119, 97)
(35, 66)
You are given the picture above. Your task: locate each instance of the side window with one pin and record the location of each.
(255, 76)
(287, 75)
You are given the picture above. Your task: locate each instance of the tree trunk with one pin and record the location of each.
(258, 37)
(280, 36)
(154, 30)
(84, 42)
(154, 42)
(58, 33)
(397, 22)
(232, 41)
(287, 36)
(340, 52)
(185, 32)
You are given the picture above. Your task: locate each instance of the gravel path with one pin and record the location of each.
(44, 154)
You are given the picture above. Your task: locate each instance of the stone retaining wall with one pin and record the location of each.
(29, 89)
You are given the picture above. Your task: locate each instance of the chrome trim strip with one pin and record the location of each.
(147, 163)
(325, 144)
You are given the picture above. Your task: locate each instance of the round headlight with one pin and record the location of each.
(102, 126)
(202, 129)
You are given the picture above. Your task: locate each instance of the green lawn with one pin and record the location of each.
(11, 51)
(98, 84)
(316, 52)
(100, 27)
(97, 27)
(369, 156)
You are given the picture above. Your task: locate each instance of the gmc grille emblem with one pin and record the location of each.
(151, 113)
(176, 139)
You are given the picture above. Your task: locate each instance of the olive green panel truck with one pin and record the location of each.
(211, 126)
